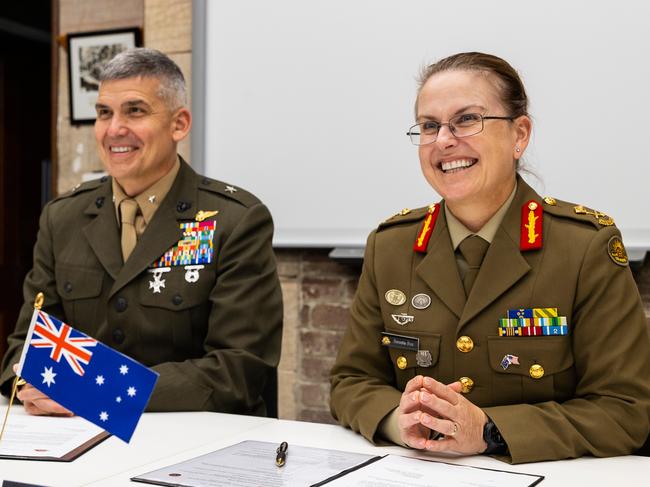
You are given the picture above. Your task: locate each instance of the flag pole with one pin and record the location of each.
(19, 381)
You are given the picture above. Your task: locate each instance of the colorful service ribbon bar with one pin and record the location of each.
(533, 313)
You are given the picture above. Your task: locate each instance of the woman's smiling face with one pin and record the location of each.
(473, 169)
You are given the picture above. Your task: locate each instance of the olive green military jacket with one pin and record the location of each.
(214, 341)
(594, 396)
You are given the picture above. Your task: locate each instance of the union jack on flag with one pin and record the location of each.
(61, 342)
(94, 381)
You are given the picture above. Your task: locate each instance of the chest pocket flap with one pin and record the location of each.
(553, 353)
(78, 282)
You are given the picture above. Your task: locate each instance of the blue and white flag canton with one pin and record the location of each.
(90, 379)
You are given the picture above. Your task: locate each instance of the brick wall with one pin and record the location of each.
(317, 292)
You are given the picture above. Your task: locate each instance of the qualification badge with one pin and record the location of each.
(421, 301)
(395, 297)
(402, 319)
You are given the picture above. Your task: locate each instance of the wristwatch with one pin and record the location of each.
(495, 442)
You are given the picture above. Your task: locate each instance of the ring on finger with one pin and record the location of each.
(454, 430)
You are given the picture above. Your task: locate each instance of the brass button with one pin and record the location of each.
(536, 371)
(465, 344)
(466, 385)
(401, 362)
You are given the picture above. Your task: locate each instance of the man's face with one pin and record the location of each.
(136, 131)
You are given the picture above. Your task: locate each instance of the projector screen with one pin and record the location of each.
(307, 104)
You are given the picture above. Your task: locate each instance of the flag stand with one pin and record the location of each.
(18, 381)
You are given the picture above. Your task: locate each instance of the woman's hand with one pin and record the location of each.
(427, 405)
(412, 430)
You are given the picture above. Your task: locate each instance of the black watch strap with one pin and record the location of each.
(496, 445)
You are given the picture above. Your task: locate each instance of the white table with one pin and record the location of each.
(166, 438)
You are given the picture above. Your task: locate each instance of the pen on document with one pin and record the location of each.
(281, 457)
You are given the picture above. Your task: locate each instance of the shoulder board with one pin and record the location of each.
(580, 213)
(405, 216)
(82, 188)
(229, 191)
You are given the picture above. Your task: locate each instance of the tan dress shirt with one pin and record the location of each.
(148, 201)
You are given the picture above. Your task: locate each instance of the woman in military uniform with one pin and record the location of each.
(495, 321)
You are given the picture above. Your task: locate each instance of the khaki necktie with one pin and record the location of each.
(128, 210)
(473, 249)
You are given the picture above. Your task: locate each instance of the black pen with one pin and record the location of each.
(281, 457)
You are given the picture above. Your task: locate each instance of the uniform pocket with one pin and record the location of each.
(544, 373)
(78, 282)
(80, 289)
(405, 362)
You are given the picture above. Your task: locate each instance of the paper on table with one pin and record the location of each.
(47, 437)
(252, 463)
(397, 471)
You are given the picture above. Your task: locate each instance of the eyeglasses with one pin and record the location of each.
(463, 125)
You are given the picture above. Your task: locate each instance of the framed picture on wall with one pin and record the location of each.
(88, 52)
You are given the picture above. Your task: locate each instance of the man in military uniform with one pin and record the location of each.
(169, 267)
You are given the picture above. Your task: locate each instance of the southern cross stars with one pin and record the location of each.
(99, 380)
(131, 391)
(48, 376)
(124, 370)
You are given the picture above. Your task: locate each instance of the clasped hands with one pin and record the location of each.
(38, 404)
(428, 405)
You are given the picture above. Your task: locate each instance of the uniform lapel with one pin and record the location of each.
(163, 231)
(439, 270)
(102, 232)
(504, 264)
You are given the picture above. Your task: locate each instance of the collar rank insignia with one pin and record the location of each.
(428, 225)
(531, 226)
(202, 215)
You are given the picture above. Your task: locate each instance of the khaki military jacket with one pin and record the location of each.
(214, 340)
(594, 395)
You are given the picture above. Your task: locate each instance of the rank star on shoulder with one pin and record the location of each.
(231, 189)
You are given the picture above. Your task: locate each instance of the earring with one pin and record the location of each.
(517, 149)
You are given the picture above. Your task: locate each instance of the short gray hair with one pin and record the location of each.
(149, 63)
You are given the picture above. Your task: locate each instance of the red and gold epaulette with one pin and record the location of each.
(428, 225)
(531, 226)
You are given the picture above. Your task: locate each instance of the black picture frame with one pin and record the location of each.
(87, 53)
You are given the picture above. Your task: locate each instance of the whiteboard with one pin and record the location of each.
(307, 104)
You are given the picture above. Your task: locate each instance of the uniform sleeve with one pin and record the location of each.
(609, 414)
(362, 379)
(39, 279)
(242, 345)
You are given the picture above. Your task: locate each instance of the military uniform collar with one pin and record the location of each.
(458, 232)
(151, 198)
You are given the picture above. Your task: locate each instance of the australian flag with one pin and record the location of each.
(90, 379)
